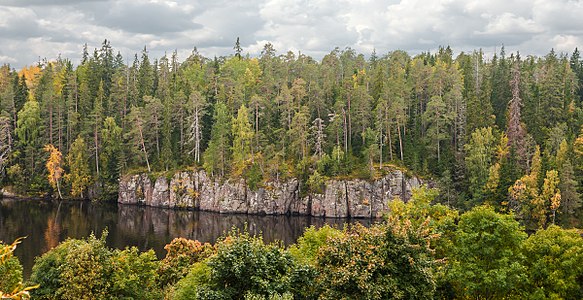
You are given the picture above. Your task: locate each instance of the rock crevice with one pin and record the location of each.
(196, 190)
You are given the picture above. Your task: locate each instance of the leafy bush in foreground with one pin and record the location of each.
(11, 286)
(485, 261)
(10, 269)
(181, 255)
(554, 258)
(242, 265)
(381, 262)
(87, 269)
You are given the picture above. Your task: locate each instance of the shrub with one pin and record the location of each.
(135, 274)
(87, 269)
(381, 262)
(189, 286)
(242, 264)
(181, 255)
(554, 258)
(485, 261)
(11, 286)
(306, 249)
(10, 269)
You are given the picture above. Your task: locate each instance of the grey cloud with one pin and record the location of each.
(145, 17)
(29, 28)
(25, 3)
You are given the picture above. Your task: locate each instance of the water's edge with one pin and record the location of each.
(46, 223)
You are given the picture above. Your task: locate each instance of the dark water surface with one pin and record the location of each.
(46, 223)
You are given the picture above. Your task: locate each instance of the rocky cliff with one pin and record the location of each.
(196, 190)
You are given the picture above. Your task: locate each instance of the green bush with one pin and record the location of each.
(87, 269)
(554, 258)
(306, 249)
(47, 268)
(381, 262)
(485, 260)
(189, 286)
(10, 271)
(243, 264)
(135, 274)
(11, 286)
(285, 296)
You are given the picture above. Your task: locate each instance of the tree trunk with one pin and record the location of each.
(59, 190)
(96, 150)
(345, 131)
(51, 122)
(400, 141)
(143, 144)
(381, 147)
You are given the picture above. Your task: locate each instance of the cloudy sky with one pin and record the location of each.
(30, 29)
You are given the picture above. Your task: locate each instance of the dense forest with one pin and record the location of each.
(505, 131)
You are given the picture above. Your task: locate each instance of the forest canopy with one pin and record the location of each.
(504, 130)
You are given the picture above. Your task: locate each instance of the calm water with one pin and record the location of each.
(47, 223)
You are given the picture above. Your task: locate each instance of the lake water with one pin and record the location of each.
(46, 223)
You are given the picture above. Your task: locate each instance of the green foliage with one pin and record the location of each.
(385, 261)
(419, 211)
(87, 269)
(306, 249)
(79, 175)
(11, 286)
(134, 274)
(485, 261)
(480, 154)
(242, 138)
(554, 258)
(285, 296)
(188, 287)
(216, 157)
(10, 270)
(244, 263)
(253, 176)
(316, 182)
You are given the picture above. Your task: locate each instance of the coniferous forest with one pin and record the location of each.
(501, 138)
(505, 130)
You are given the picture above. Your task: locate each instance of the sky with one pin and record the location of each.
(34, 29)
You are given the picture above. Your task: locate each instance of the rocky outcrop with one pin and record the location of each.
(196, 190)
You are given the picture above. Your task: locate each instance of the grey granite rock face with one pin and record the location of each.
(339, 198)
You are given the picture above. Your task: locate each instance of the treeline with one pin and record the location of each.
(505, 130)
(420, 251)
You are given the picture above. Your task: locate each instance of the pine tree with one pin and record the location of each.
(79, 176)
(217, 155)
(437, 119)
(111, 135)
(298, 134)
(5, 143)
(238, 49)
(242, 132)
(145, 77)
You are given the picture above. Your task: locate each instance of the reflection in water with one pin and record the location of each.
(47, 223)
(53, 231)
